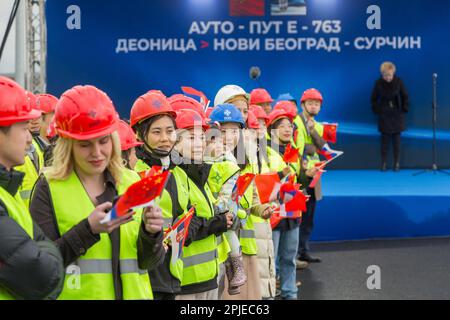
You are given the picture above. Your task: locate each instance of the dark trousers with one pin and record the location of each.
(163, 296)
(386, 138)
(307, 224)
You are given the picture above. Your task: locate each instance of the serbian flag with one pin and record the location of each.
(292, 201)
(194, 92)
(330, 132)
(291, 154)
(329, 153)
(178, 234)
(241, 186)
(268, 186)
(239, 8)
(138, 195)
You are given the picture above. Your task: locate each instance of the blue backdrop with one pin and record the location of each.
(88, 56)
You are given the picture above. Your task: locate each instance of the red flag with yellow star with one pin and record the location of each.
(330, 132)
(142, 193)
(239, 8)
(242, 184)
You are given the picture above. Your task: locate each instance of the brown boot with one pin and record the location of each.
(229, 272)
(239, 277)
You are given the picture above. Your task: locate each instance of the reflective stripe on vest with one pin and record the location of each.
(200, 258)
(99, 266)
(94, 274)
(247, 234)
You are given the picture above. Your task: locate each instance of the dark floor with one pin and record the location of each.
(410, 269)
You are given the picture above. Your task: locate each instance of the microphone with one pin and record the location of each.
(255, 72)
(435, 75)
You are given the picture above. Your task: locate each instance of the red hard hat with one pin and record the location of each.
(180, 101)
(252, 121)
(278, 114)
(85, 112)
(51, 130)
(259, 112)
(32, 100)
(311, 94)
(188, 118)
(127, 136)
(287, 106)
(151, 104)
(46, 102)
(260, 96)
(14, 104)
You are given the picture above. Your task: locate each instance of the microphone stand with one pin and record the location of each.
(434, 168)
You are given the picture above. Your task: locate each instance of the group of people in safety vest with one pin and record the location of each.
(65, 161)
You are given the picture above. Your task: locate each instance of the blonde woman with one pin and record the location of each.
(390, 102)
(104, 261)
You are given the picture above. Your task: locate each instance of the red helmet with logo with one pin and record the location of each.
(278, 114)
(127, 136)
(14, 104)
(260, 96)
(287, 106)
(311, 94)
(151, 104)
(46, 102)
(85, 112)
(188, 118)
(180, 101)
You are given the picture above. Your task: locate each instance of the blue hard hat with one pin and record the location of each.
(285, 96)
(226, 112)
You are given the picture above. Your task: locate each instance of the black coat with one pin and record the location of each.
(29, 268)
(390, 102)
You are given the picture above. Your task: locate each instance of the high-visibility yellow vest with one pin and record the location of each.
(141, 166)
(31, 174)
(277, 164)
(305, 138)
(165, 203)
(91, 276)
(18, 211)
(200, 258)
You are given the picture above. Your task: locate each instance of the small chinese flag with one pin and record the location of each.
(291, 154)
(142, 192)
(330, 132)
(239, 8)
(242, 184)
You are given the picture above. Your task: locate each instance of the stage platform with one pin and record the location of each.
(370, 204)
(409, 269)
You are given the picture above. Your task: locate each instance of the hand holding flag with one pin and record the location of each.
(139, 195)
(178, 234)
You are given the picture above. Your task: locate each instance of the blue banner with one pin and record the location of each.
(336, 46)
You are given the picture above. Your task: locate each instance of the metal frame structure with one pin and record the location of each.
(36, 46)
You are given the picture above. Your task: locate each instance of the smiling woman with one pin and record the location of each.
(73, 196)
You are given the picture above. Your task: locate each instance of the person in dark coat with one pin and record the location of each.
(31, 266)
(390, 102)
